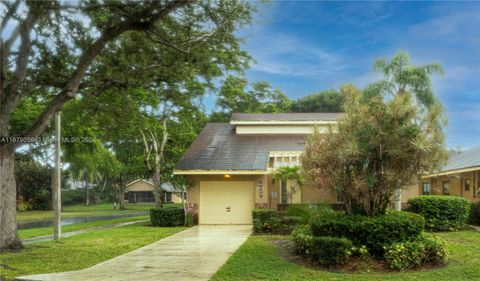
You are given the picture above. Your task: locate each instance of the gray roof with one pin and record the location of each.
(218, 147)
(286, 116)
(464, 159)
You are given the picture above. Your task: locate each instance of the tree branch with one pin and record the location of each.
(135, 22)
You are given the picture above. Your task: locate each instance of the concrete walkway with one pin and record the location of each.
(193, 254)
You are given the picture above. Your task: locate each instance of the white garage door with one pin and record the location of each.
(226, 202)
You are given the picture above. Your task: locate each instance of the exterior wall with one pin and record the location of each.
(456, 185)
(140, 186)
(177, 197)
(265, 185)
(410, 191)
(279, 129)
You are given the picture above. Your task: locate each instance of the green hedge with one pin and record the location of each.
(375, 232)
(167, 216)
(271, 221)
(474, 217)
(302, 238)
(331, 250)
(441, 213)
(307, 211)
(425, 250)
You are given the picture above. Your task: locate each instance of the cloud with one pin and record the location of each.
(286, 54)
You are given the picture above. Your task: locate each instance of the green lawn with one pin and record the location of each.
(34, 232)
(258, 259)
(92, 210)
(80, 251)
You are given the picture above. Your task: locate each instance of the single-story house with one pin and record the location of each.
(232, 165)
(141, 191)
(459, 177)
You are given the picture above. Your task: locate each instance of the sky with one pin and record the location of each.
(305, 47)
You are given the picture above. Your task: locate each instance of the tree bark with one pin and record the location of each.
(9, 239)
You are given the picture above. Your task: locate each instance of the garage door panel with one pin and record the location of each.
(218, 196)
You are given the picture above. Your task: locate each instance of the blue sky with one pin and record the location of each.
(305, 47)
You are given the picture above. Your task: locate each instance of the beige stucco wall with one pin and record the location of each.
(140, 186)
(307, 194)
(176, 197)
(279, 129)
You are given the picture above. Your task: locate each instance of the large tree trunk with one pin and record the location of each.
(121, 198)
(9, 239)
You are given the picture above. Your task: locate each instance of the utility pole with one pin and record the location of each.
(56, 188)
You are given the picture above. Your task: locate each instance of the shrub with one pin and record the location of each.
(73, 196)
(374, 232)
(265, 220)
(307, 211)
(302, 238)
(167, 216)
(474, 217)
(331, 250)
(425, 250)
(287, 224)
(189, 219)
(441, 213)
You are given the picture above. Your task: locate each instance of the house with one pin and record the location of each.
(141, 191)
(231, 165)
(459, 177)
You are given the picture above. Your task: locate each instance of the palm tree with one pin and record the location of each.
(289, 173)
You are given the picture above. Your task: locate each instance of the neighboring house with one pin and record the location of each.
(141, 191)
(459, 177)
(231, 165)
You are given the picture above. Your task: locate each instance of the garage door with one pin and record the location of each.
(226, 202)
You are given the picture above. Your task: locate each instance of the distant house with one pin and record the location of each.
(141, 191)
(459, 177)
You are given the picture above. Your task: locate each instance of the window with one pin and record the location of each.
(446, 188)
(168, 197)
(426, 188)
(467, 184)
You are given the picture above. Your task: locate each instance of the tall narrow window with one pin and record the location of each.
(467, 184)
(283, 186)
(446, 188)
(426, 188)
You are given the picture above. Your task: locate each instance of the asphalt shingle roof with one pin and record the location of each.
(218, 147)
(461, 160)
(286, 116)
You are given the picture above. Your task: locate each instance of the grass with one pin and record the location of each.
(83, 211)
(80, 251)
(34, 232)
(259, 259)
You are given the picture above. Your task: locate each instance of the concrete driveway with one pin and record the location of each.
(193, 254)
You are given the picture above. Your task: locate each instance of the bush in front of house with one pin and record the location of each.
(441, 213)
(272, 221)
(167, 216)
(325, 250)
(474, 216)
(307, 211)
(374, 232)
(331, 250)
(425, 250)
(302, 238)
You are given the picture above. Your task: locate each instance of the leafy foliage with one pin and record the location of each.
(34, 183)
(331, 250)
(374, 232)
(325, 101)
(167, 216)
(441, 213)
(426, 250)
(382, 141)
(474, 217)
(307, 211)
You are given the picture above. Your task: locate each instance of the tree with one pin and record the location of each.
(237, 95)
(292, 174)
(324, 101)
(380, 144)
(58, 51)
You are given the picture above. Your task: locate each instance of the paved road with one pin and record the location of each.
(193, 254)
